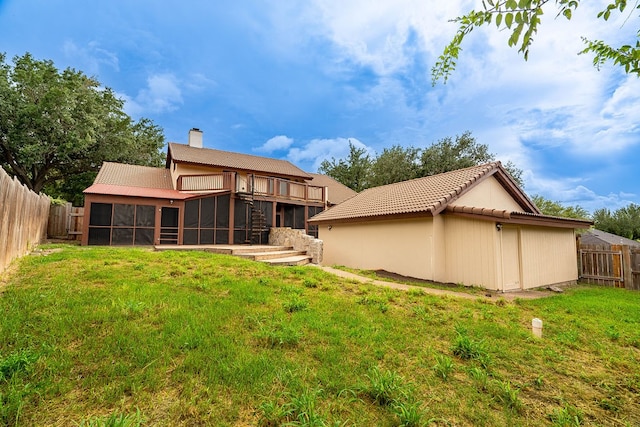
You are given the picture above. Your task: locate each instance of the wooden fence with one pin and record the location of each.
(65, 222)
(614, 265)
(23, 219)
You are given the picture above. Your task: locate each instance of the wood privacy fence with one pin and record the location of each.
(612, 265)
(23, 219)
(65, 222)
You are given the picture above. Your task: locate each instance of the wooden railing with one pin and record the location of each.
(208, 182)
(252, 184)
(286, 189)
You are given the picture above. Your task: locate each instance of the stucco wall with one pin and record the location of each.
(402, 247)
(488, 194)
(471, 252)
(548, 256)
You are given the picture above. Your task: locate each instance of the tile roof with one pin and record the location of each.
(428, 195)
(529, 218)
(134, 176)
(226, 159)
(598, 237)
(338, 192)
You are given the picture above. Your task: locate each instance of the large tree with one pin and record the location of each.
(354, 171)
(358, 171)
(521, 18)
(624, 222)
(549, 207)
(57, 127)
(462, 152)
(395, 164)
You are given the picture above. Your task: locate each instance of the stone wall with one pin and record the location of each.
(286, 236)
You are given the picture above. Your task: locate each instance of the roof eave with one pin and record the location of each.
(372, 218)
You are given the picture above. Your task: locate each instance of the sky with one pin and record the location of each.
(299, 80)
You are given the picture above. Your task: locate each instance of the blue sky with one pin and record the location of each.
(298, 80)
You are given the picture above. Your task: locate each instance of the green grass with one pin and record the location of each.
(130, 337)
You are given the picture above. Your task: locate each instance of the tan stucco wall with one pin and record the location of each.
(488, 194)
(548, 256)
(452, 249)
(471, 252)
(403, 246)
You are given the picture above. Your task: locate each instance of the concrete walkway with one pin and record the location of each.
(510, 296)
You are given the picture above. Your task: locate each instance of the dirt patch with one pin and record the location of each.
(400, 278)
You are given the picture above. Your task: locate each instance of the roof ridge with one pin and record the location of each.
(233, 159)
(235, 153)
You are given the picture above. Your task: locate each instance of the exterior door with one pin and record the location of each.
(510, 259)
(169, 226)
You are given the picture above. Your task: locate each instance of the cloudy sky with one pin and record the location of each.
(298, 80)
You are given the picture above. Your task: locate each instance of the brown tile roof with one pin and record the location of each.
(134, 176)
(226, 159)
(526, 218)
(338, 192)
(429, 195)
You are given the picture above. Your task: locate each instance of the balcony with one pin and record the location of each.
(256, 185)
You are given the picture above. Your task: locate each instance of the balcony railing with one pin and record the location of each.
(209, 182)
(252, 184)
(285, 189)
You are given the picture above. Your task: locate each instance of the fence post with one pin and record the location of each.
(627, 271)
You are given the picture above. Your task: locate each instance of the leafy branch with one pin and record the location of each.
(522, 18)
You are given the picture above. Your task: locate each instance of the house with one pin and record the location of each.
(203, 196)
(472, 226)
(602, 238)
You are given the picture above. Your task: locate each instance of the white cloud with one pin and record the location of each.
(91, 56)
(317, 150)
(162, 94)
(280, 142)
(571, 191)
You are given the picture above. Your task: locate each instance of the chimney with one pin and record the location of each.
(195, 138)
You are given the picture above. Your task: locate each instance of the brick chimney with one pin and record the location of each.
(195, 138)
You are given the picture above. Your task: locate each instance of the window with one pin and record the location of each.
(206, 221)
(121, 224)
(312, 229)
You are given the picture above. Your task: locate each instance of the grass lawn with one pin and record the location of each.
(128, 337)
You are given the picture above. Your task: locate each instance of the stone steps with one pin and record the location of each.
(264, 256)
(274, 255)
(292, 260)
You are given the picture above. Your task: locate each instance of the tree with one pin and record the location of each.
(353, 172)
(359, 172)
(448, 155)
(56, 128)
(624, 222)
(395, 164)
(521, 18)
(549, 207)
